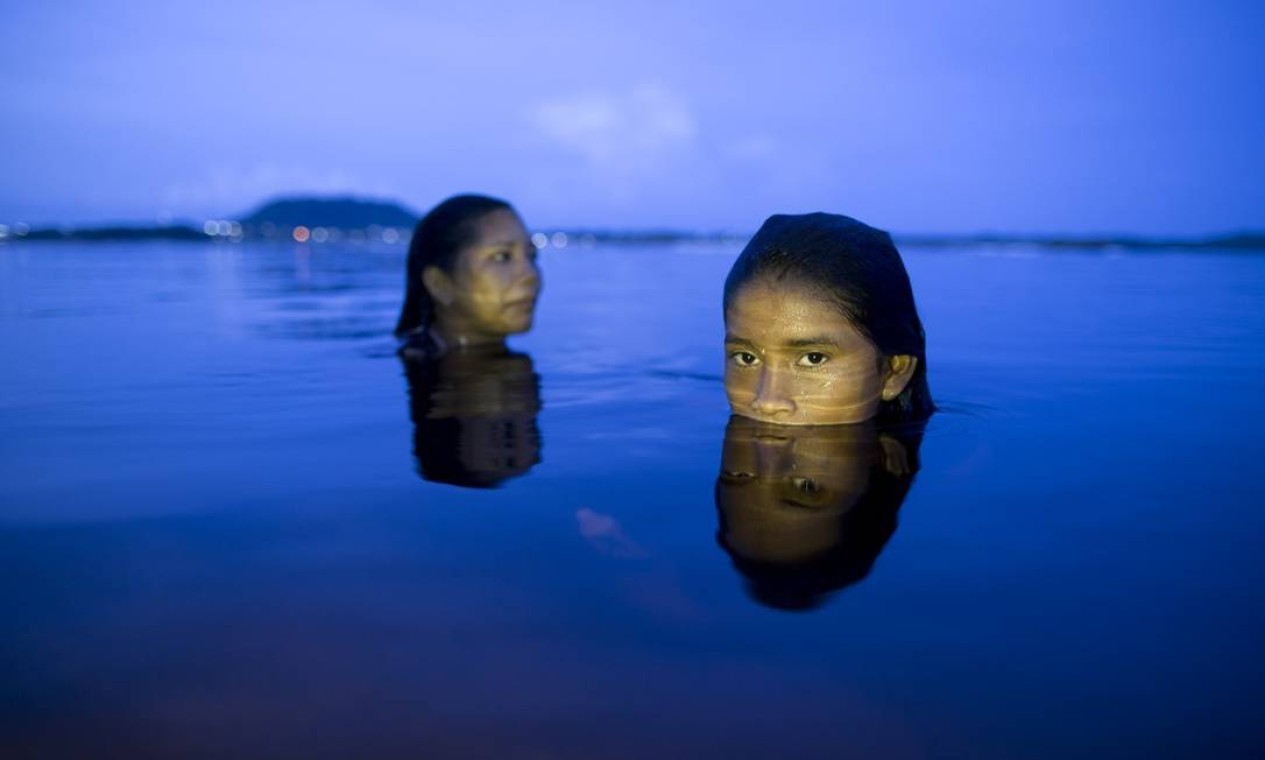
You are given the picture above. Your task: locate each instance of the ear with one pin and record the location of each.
(438, 284)
(900, 370)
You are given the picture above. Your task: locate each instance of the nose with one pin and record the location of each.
(529, 275)
(772, 395)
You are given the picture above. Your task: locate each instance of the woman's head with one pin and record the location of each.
(472, 276)
(821, 327)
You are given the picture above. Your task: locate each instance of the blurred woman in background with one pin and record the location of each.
(471, 281)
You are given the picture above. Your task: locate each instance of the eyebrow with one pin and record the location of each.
(816, 340)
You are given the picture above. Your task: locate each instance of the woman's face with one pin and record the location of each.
(792, 359)
(492, 289)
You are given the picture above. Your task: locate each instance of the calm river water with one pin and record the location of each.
(233, 525)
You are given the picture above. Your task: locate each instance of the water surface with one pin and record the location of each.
(216, 540)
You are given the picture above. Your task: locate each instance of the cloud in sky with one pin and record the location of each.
(605, 154)
(619, 133)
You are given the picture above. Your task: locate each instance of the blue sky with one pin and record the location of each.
(967, 116)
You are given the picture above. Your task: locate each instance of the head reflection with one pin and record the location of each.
(805, 510)
(474, 416)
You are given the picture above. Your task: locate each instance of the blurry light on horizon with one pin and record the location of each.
(391, 235)
(301, 234)
(4, 230)
(211, 227)
(559, 240)
(225, 227)
(319, 234)
(540, 240)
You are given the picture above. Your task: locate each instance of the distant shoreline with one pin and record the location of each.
(310, 220)
(588, 237)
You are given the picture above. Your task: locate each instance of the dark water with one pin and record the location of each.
(214, 540)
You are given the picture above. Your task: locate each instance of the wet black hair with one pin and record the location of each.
(856, 267)
(437, 239)
(865, 528)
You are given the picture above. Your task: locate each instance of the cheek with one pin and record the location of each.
(738, 384)
(811, 385)
(846, 385)
(485, 287)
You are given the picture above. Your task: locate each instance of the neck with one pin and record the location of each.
(453, 337)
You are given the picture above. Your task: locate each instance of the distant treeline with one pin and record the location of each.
(92, 234)
(1245, 241)
(319, 220)
(1239, 241)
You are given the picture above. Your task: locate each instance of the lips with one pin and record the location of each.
(520, 303)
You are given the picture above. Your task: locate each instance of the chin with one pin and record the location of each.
(518, 327)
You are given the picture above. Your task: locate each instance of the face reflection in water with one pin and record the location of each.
(805, 510)
(492, 289)
(791, 358)
(474, 416)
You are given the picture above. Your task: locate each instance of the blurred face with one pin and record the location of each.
(782, 490)
(492, 289)
(792, 359)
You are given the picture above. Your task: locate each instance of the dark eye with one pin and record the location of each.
(813, 359)
(502, 256)
(806, 485)
(743, 358)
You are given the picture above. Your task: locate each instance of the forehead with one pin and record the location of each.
(499, 225)
(775, 313)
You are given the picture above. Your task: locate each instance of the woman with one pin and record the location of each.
(472, 278)
(821, 327)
